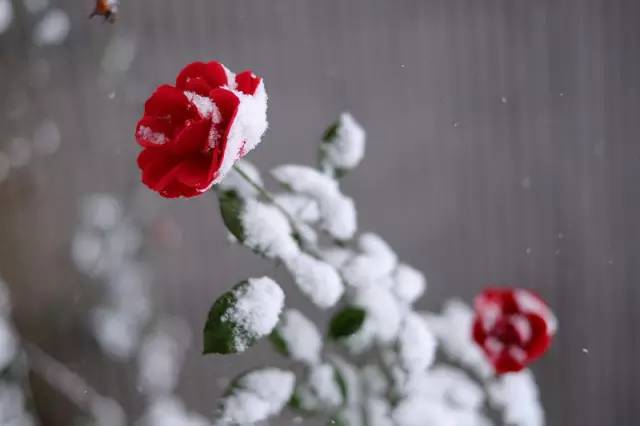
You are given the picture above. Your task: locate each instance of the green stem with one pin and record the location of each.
(269, 197)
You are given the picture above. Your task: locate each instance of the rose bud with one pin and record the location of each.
(513, 327)
(193, 133)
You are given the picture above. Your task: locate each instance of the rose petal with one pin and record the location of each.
(192, 139)
(194, 172)
(247, 82)
(171, 104)
(159, 166)
(227, 103)
(505, 362)
(202, 77)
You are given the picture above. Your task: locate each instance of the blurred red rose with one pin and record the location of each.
(513, 327)
(192, 133)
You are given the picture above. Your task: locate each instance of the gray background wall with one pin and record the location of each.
(539, 189)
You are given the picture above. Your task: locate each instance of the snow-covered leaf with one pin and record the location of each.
(256, 396)
(342, 146)
(322, 389)
(242, 315)
(297, 337)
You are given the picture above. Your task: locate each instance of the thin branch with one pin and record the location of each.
(269, 197)
(74, 387)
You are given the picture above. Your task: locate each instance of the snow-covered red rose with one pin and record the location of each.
(513, 327)
(192, 133)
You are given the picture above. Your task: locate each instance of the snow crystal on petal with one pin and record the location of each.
(205, 106)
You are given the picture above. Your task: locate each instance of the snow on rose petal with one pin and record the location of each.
(192, 133)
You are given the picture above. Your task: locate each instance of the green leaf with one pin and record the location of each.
(278, 342)
(231, 208)
(219, 335)
(332, 131)
(346, 322)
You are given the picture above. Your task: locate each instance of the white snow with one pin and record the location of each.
(118, 335)
(350, 375)
(299, 206)
(268, 231)
(169, 411)
(6, 15)
(516, 394)
(378, 412)
(416, 344)
(13, 410)
(256, 310)
(53, 28)
(346, 150)
(337, 212)
(316, 279)
(409, 283)
(375, 261)
(101, 211)
(256, 396)
(161, 356)
(335, 256)
(320, 390)
(383, 313)
(374, 246)
(453, 331)
(205, 106)
(447, 385)
(374, 381)
(418, 411)
(302, 337)
(233, 181)
(247, 129)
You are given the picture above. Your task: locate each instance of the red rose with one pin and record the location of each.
(192, 133)
(513, 327)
